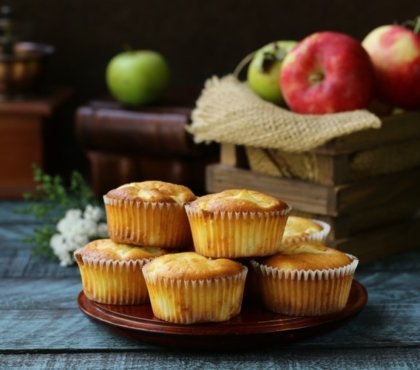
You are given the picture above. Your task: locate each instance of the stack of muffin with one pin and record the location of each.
(191, 256)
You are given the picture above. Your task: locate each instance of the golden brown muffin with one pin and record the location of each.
(111, 272)
(299, 230)
(237, 223)
(186, 288)
(149, 213)
(308, 280)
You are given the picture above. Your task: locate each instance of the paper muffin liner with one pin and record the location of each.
(113, 281)
(314, 237)
(305, 292)
(155, 224)
(237, 234)
(191, 301)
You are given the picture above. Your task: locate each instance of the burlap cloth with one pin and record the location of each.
(229, 112)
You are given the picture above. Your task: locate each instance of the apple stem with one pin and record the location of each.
(417, 25)
(127, 47)
(414, 24)
(242, 64)
(316, 78)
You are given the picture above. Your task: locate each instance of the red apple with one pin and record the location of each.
(327, 72)
(395, 54)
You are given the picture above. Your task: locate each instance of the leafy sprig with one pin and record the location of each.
(49, 203)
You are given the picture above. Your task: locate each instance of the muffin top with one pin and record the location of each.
(296, 226)
(239, 200)
(308, 256)
(107, 249)
(191, 266)
(153, 191)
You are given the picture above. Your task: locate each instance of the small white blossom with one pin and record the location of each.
(75, 230)
(57, 241)
(102, 230)
(93, 213)
(73, 214)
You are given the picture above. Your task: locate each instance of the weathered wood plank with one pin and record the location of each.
(34, 294)
(392, 325)
(380, 242)
(9, 214)
(405, 261)
(220, 177)
(371, 217)
(381, 359)
(42, 315)
(395, 128)
(378, 191)
(17, 260)
(14, 232)
(56, 329)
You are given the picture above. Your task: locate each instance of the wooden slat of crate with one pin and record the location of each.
(395, 128)
(333, 161)
(377, 191)
(317, 198)
(338, 169)
(220, 177)
(351, 224)
(383, 241)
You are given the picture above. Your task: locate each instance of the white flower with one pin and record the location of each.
(102, 230)
(93, 213)
(66, 259)
(73, 214)
(57, 241)
(75, 230)
(64, 224)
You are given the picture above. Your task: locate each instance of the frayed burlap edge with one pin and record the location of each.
(229, 112)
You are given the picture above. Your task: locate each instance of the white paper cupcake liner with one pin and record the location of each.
(236, 234)
(191, 301)
(113, 281)
(305, 292)
(313, 237)
(156, 224)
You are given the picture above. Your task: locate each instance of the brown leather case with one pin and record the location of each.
(125, 145)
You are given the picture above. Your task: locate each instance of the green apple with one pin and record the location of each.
(264, 70)
(137, 77)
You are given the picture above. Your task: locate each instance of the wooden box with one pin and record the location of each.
(371, 215)
(22, 139)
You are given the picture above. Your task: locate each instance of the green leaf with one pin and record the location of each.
(49, 203)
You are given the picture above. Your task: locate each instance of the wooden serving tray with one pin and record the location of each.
(254, 326)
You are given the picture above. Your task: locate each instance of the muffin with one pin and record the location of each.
(187, 288)
(237, 223)
(149, 213)
(299, 230)
(111, 272)
(307, 280)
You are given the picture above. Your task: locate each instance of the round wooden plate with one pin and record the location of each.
(253, 327)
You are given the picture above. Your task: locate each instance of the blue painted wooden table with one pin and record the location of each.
(41, 325)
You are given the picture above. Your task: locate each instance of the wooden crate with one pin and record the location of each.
(371, 216)
(338, 161)
(321, 199)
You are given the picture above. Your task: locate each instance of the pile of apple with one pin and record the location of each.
(331, 72)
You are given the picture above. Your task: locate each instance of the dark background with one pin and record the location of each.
(198, 38)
